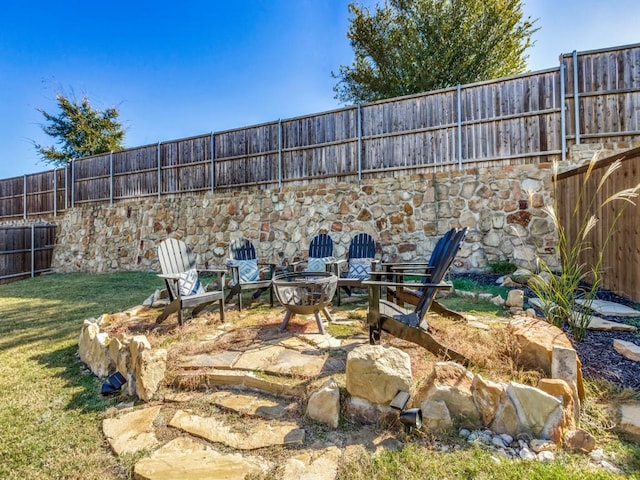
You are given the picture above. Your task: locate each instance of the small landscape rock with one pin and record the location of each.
(579, 440)
(546, 456)
(539, 445)
(527, 454)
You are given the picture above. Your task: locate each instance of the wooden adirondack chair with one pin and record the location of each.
(410, 325)
(320, 257)
(360, 261)
(245, 271)
(182, 279)
(403, 294)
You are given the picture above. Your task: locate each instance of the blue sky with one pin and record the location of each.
(177, 69)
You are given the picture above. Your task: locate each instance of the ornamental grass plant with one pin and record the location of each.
(567, 295)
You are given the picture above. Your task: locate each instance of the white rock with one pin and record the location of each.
(546, 456)
(527, 454)
(498, 442)
(324, 404)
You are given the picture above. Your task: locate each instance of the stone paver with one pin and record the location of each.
(184, 457)
(291, 362)
(311, 466)
(132, 431)
(258, 436)
(258, 358)
(627, 349)
(630, 419)
(598, 323)
(250, 404)
(604, 307)
(220, 360)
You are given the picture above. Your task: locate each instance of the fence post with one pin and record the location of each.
(563, 112)
(159, 171)
(66, 187)
(73, 183)
(55, 192)
(213, 167)
(459, 95)
(359, 127)
(111, 178)
(279, 153)
(576, 100)
(24, 197)
(33, 251)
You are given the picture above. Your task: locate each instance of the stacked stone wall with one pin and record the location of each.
(502, 206)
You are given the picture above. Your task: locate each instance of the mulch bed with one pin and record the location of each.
(599, 359)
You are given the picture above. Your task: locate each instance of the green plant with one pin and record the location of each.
(502, 267)
(558, 291)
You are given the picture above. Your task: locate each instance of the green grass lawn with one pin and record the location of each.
(51, 408)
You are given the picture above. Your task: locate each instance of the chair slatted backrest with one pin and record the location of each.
(175, 256)
(243, 250)
(321, 246)
(362, 246)
(451, 243)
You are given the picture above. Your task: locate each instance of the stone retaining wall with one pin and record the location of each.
(501, 206)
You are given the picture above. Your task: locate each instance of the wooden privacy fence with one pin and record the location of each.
(621, 261)
(25, 251)
(520, 119)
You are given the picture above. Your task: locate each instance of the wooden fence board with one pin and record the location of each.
(16, 251)
(516, 118)
(621, 261)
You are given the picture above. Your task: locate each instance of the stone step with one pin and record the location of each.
(243, 436)
(185, 457)
(206, 378)
(252, 404)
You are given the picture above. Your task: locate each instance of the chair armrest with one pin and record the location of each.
(217, 270)
(402, 264)
(379, 273)
(169, 276)
(444, 286)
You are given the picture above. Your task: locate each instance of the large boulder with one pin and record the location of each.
(376, 373)
(150, 368)
(536, 340)
(486, 396)
(451, 383)
(93, 347)
(538, 412)
(562, 391)
(436, 416)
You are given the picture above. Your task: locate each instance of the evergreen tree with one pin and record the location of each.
(413, 46)
(80, 131)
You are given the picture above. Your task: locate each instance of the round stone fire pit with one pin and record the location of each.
(305, 293)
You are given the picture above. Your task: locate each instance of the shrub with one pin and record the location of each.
(502, 267)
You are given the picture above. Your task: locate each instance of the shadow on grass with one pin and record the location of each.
(86, 386)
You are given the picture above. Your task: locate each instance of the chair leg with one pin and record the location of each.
(374, 335)
(168, 310)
